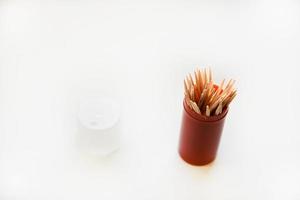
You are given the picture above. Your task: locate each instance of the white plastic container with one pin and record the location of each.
(99, 125)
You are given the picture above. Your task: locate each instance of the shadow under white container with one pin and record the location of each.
(99, 125)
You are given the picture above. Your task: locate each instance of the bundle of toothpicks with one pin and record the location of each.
(204, 97)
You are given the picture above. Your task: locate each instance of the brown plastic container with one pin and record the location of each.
(200, 136)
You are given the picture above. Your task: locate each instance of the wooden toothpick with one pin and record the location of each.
(201, 95)
(207, 111)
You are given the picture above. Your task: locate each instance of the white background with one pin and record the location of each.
(52, 53)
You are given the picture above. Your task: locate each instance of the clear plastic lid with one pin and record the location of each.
(99, 113)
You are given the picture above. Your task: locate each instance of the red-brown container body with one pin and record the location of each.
(200, 136)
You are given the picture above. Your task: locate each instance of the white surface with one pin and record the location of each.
(142, 51)
(99, 126)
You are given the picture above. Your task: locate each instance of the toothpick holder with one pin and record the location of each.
(200, 136)
(99, 125)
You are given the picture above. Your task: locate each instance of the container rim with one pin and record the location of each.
(203, 118)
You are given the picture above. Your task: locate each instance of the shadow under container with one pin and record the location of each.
(200, 136)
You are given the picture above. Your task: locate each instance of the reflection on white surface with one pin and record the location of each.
(144, 50)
